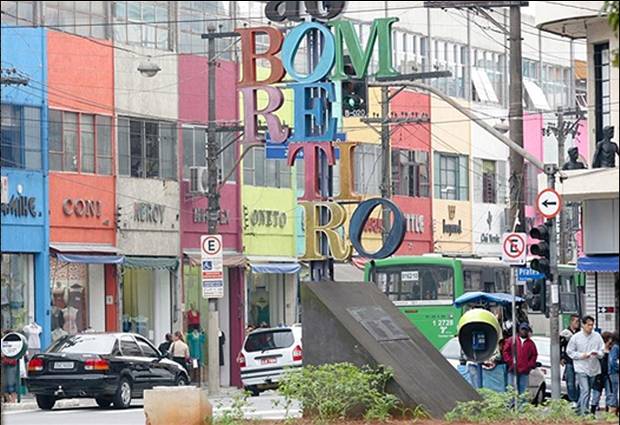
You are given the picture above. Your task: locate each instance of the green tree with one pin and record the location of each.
(611, 9)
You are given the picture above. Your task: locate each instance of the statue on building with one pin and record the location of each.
(606, 150)
(573, 162)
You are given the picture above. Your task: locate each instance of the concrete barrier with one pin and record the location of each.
(185, 405)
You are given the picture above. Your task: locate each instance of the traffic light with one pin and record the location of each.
(541, 264)
(536, 296)
(354, 93)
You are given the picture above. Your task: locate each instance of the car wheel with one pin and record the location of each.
(252, 390)
(46, 402)
(122, 398)
(181, 381)
(103, 401)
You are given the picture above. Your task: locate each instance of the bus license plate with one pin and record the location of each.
(63, 365)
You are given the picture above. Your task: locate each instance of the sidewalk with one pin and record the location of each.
(28, 402)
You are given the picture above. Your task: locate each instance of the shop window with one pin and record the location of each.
(195, 152)
(21, 137)
(70, 309)
(147, 149)
(451, 176)
(17, 13)
(144, 24)
(85, 18)
(602, 94)
(410, 173)
(489, 192)
(259, 171)
(80, 142)
(17, 285)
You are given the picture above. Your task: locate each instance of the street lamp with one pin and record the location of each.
(148, 68)
(502, 126)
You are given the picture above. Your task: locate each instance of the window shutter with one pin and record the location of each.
(436, 174)
(477, 180)
(463, 174)
(501, 181)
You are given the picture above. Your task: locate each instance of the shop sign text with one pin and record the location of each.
(81, 207)
(145, 212)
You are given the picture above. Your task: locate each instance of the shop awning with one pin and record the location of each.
(84, 248)
(278, 268)
(91, 259)
(600, 263)
(170, 263)
(231, 259)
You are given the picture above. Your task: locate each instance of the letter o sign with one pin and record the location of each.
(361, 216)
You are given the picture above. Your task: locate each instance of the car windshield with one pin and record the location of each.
(89, 344)
(269, 340)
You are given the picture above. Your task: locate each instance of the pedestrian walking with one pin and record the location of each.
(527, 354)
(586, 349)
(164, 347)
(566, 361)
(180, 350)
(612, 368)
(602, 381)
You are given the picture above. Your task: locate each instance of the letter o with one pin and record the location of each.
(360, 217)
(282, 220)
(254, 218)
(291, 44)
(79, 208)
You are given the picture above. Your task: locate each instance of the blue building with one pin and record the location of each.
(25, 206)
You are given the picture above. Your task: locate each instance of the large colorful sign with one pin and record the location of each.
(314, 125)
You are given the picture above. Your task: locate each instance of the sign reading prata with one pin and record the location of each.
(314, 125)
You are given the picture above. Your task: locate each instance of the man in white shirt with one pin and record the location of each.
(586, 350)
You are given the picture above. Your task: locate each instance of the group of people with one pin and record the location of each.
(590, 364)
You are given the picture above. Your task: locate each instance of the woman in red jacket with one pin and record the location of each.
(526, 358)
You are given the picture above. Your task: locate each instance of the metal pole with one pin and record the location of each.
(513, 281)
(386, 153)
(213, 326)
(515, 115)
(554, 325)
(561, 135)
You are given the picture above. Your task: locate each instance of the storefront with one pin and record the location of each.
(148, 237)
(270, 247)
(25, 258)
(83, 254)
(24, 205)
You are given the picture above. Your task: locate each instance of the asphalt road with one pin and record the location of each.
(88, 413)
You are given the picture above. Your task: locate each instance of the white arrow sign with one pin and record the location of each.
(549, 203)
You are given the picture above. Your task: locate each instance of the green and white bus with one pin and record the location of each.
(424, 289)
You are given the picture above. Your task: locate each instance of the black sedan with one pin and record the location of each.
(112, 368)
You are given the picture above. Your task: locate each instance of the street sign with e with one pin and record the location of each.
(514, 248)
(212, 256)
(549, 203)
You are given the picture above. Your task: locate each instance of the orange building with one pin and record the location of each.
(84, 256)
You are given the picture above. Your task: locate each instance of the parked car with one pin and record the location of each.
(265, 355)
(537, 387)
(112, 368)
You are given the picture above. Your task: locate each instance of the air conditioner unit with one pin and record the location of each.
(198, 180)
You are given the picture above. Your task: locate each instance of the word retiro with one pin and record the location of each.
(314, 124)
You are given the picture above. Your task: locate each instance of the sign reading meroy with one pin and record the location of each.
(313, 121)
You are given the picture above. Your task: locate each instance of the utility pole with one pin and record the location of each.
(515, 116)
(213, 211)
(386, 152)
(561, 129)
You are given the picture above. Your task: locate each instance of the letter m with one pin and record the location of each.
(345, 34)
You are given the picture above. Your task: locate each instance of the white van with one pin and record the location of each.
(265, 355)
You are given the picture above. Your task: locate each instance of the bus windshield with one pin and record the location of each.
(416, 282)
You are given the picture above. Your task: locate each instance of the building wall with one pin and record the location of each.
(81, 74)
(451, 133)
(265, 239)
(145, 238)
(600, 32)
(135, 94)
(19, 233)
